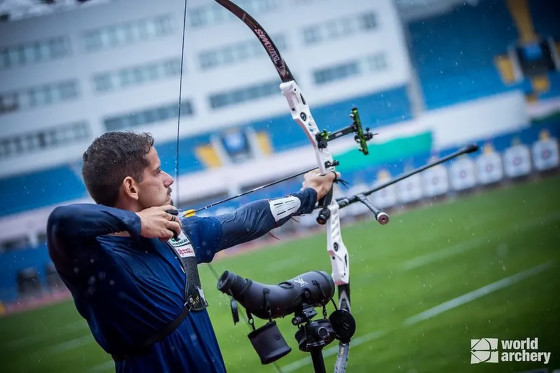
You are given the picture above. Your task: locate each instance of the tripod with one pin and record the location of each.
(313, 335)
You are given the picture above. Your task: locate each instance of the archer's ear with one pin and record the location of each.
(130, 188)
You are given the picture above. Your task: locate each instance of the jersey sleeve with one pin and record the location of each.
(72, 231)
(247, 223)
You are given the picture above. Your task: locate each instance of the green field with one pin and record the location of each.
(484, 265)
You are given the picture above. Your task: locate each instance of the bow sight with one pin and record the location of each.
(361, 136)
(323, 137)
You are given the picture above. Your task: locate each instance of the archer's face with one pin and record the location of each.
(154, 189)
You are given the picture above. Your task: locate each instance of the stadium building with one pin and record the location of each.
(419, 72)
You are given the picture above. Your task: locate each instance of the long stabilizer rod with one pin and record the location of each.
(345, 201)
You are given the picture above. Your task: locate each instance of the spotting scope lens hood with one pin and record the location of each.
(313, 288)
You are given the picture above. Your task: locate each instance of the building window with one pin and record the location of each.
(136, 75)
(9, 102)
(15, 243)
(368, 21)
(92, 39)
(44, 139)
(163, 25)
(260, 6)
(38, 96)
(377, 62)
(102, 82)
(335, 28)
(34, 52)
(311, 35)
(127, 33)
(237, 52)
(208, 15)
(339, 28)
(68, 90)
(207, 59)
(304, 2)
(196, 17)
(250, 93)
(147, 116)
(338, 72)
(171, 68)
(372, 64)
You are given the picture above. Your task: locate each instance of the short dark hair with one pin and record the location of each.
(112, 157)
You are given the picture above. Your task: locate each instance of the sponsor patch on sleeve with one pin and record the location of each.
(283, 207)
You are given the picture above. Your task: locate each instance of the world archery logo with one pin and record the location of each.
(484, 350)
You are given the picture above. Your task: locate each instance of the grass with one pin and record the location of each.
(421, 259)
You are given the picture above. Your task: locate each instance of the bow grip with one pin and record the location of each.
(325, 212)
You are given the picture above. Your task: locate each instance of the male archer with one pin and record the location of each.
(137, 286)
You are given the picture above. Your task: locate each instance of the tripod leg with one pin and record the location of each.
(318, 362)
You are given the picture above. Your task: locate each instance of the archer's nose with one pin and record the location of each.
(168, 180)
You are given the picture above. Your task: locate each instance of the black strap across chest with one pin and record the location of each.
(185, 253)
(194, 297)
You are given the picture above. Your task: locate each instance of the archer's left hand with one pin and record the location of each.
(321, 183)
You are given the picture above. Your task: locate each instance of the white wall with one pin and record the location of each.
(478, 119)
(289, 18)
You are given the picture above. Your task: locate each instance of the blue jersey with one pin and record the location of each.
(129, 288)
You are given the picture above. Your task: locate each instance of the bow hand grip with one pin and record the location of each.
(325, 212)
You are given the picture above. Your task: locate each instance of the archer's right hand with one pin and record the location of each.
(155, 222)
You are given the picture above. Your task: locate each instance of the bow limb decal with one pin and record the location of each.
(330, 210)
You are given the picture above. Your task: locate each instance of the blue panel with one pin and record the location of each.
(545, 14)
(13, 261)
(453, 53)
(39, 189)
(554, 91)
(188, 161)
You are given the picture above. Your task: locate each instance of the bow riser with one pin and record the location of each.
(301, 114)
(336, 249)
